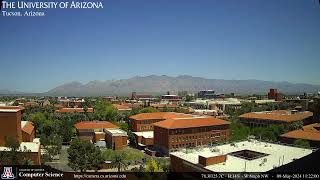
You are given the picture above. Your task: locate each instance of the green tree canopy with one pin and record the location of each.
(148, 110)
(104, 110)
(83, 156)
(119, 161)
(302, 143)
(153, 166)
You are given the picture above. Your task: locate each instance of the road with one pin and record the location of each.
(62, 163)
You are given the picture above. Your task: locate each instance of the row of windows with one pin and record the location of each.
(196, 130)
(146, 128)
(192, 144)
(147, 121)
(197, 137)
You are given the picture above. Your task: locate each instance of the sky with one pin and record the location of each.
(220, 39)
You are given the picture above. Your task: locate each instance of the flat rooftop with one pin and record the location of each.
(116, 132)
(309, 132)
(145, 134)
(278, 115)
(10, 108)
(28, 146)
(275, 155)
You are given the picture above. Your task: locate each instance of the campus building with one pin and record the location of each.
(144, 121)
(206, 94)
(141, 97)
(142, 125)
(177, 133)
(116, 138)
(245, 156)
(164, 107)
(309, 132)
(95, 131)
(274, 94)
(122, 107)
(267, 118)
(74, 110)
(170, 98)
(21, 131)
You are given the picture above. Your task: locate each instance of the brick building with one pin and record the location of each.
(274, 94)
(10, 120)
(28, 131)
(116, 138)
(309, 132)
(141, 97)
(176, 133)
(123, 107)
(74, 110)
(144, 138)
(267, 118)
(95, 131)
(144, 121)
(21, 131)
(170, 98)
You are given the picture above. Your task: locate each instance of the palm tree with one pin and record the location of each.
(119, 161)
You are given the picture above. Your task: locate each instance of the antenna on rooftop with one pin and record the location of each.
(245, 166)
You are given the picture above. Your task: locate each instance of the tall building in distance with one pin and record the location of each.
(274, 94)
(206, 94)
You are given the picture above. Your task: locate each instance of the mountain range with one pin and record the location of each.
(156, 85)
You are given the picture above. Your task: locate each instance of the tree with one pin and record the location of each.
(66, 130)
(83, 156)
(296, 125)
(52, 144)
(132, 139)
(302, 143)
(119, 161)
(105, 111)
(238, 131)
(37, 119)
(189, 98)
(153, 166)
(148, 110)
(13, 156)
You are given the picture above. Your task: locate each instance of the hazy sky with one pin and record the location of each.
(225, 39)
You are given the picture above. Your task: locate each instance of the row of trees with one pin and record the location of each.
(271, 133)
(14, 154)
(84, 156)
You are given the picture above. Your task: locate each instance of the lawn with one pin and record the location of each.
(131, 154)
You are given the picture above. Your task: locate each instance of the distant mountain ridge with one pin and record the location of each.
(6, 92)
(155, 84)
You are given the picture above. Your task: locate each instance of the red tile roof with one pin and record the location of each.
(190, 122)
(31, 104)
(71, 110)
(28, 127)
(12, 107)
(280, 115)
(159, 115)
(95, 125)
(309, 132)
(121, 106)
(59, 106)
(163, 105)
